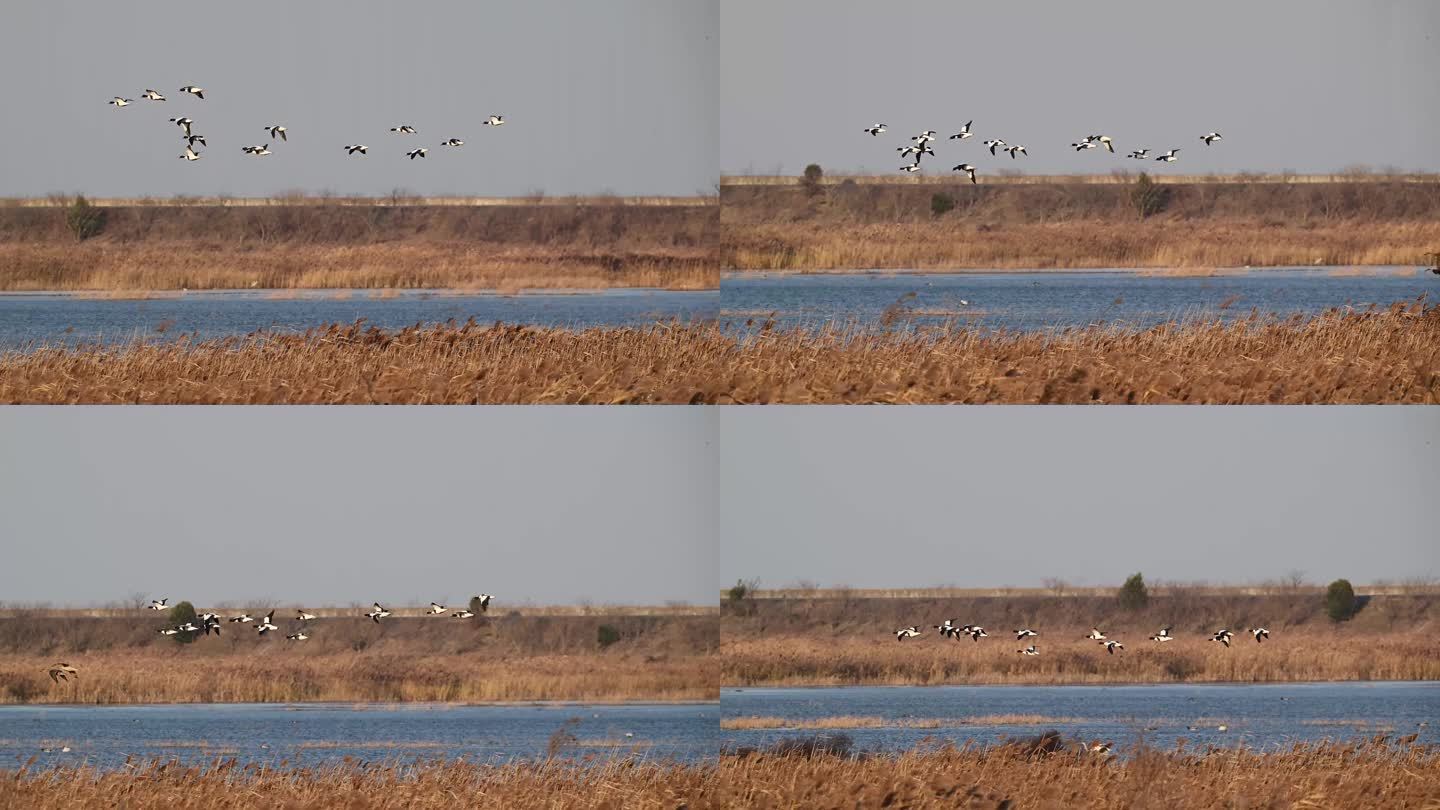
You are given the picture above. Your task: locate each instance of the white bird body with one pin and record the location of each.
(1016, 148)
(495, 121)
(414, 153)
(968, 169)
(1095, 634)
(1170, 157)
(1029, 650)
(276, 129)
(1139, 154)
(297, 636)
(461, 614)
(964, 131)
(436, 609)
(121, 102)
(404, 129)
(913, 167)
(1163, 635)
(908, 632)
(875, 130)
(453, 142)
(377, 614)
(305, 617)
(358, 147)
(158, 604)
(258, 151)
(1260, 634)
(243, 618)
(1211, 137)
(1020, 635)
(994, 144)
(1223, 637)
(1112, 646)
(152, 95)
(198, 92)
(484, 601)
(266, 624)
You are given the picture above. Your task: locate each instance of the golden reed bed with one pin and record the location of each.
(1390, 356)
(1369, 774)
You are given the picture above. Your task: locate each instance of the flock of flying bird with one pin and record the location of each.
(187, 124)
(921, 147)
(958, 631)
(211, 622)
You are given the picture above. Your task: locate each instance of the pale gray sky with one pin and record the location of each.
(612, 96)
(1008, 496)
(1308, 85)
(328, 506)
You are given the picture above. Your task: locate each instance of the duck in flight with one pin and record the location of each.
(194, 139)
(1163, 635)
(358, 147)
(404, 129)
(1170, 157)
(920, 149)
(975, 631)
(1095, 634)
(453, 142)
(875, 130)
(484, 601)
(908, 632)
(1021, 635)
(121, 102)
(968, 169)
(198, 92)
(924, 137)
(1029, 650)
(243, 618)
(1223, 637)
(1112, 646)
(436, 609)
(305, 617)
(912, 167)
(183, 123)
(414, 153)
(276, 129)
(461, 614)
(995, 144)
(1016, 148)
(1139, 154)
(300, 636)
(377, 614)
(1211, 137)
(62, 671)
(158, 604)
(947, 629)
(1081, 146)
(152, 95)
(964, 131)
(1260, 634)
(266, 625)
(495, 121)
(258, 151)
(1102, 140)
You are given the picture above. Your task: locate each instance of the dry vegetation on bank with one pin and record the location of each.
(1073, 225)
(226, 784)
(324, 246)
(841, 640)
(1361, 775)
(495, 658)
(1390, 356)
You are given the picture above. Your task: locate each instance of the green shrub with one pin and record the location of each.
(941, 204)
(1133, 595)
(607, 635)
(182, 612)
(811, 179)
(83, 219)
(1340, 600)
(1148, 196)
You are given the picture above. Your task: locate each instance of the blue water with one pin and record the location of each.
(67, 319)
(1258, 716)
(312, 734)
(1038, 301)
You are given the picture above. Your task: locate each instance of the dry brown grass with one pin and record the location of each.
(1075, 225)
(844, 640)
(437, 784)
(322, 246)
(503, 658)
(1390, 356)
(848, 721)
(1361, 775)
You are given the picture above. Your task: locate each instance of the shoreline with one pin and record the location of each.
(1395, 270)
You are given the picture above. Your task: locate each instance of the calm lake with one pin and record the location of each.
(1257, 716)
(27, 319)
(311, 734)
(1036, 301)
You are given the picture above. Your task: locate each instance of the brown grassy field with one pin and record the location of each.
(349, 658)
(1389, 356)
(1360, 775)
(840, 639)
(226, 784)
(1235, 223)
(287, 246)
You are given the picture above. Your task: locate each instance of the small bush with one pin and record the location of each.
(606, 635)
(1133, 595)
(1149, 197)
(182, 612)
(835, 745)
(475, 606)
(811, 179)
(1340, 600)
(1183, 667)
(941, 204)
(83, 219)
